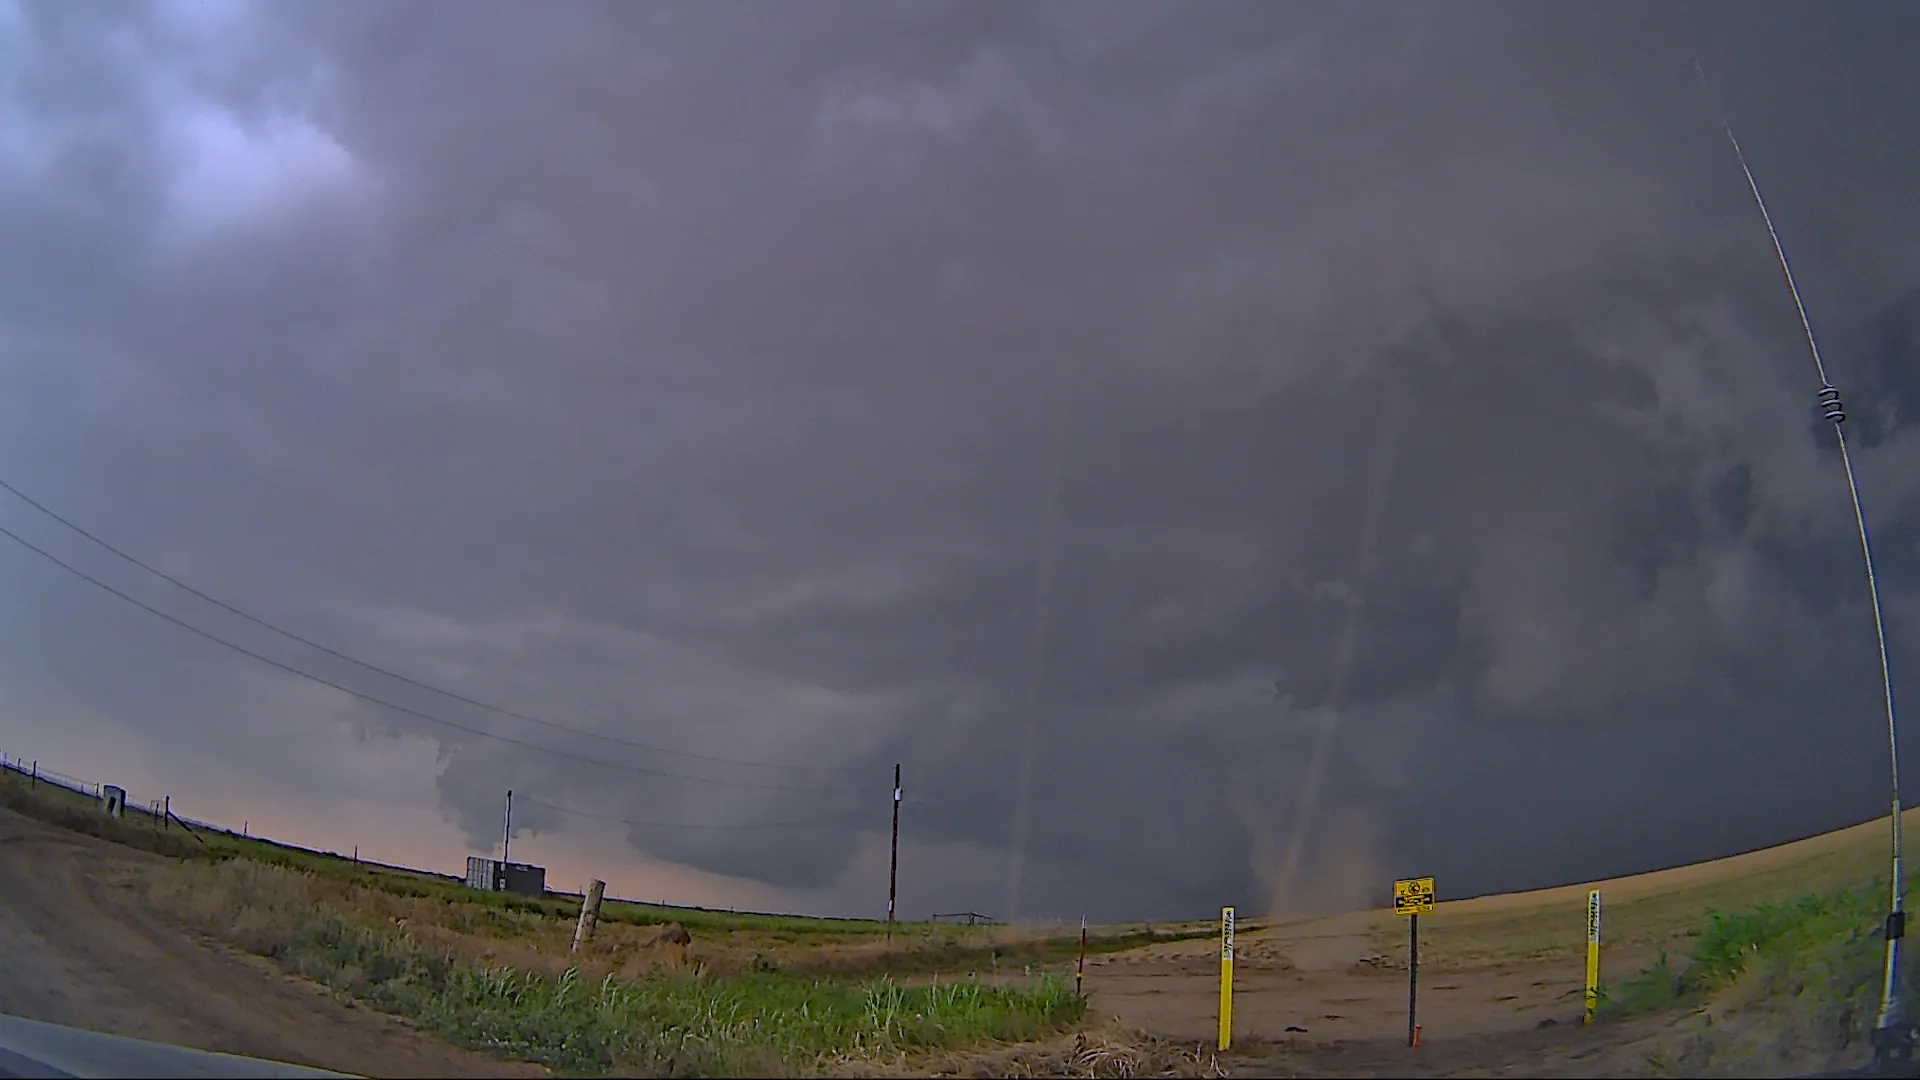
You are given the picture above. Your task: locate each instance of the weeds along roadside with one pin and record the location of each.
(658, 1023)
(1792, 983)
(790, 941)
(82, 815)
(587, 1020)
(496, 977)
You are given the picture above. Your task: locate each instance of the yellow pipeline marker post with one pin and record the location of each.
(1226, 977)
(1593, 955)
(1413, 897)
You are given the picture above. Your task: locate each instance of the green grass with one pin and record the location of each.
(762, 1024)
(1835, 934)
(1796, 981)
(299, 909)
(921, 947)
(58, 806)
(1656, 987)
(61, 806)
(425, 884)
(958, 952)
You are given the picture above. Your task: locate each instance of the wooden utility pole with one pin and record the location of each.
(589, 913)
(506, 837)
(1080, 968)
(893, 863)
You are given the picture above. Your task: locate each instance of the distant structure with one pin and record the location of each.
(113, 799)
(503, 875)
(498, 875)
(971, 918)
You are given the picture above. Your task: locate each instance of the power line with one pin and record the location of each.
(410, 681)
(382, 702)
(690, 825)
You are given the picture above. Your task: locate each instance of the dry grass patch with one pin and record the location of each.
(1643, 914)
(1107, 1054)
(629, 1006)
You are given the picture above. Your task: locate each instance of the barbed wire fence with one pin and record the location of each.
(159, 813)
(36, 774)
(157, 810)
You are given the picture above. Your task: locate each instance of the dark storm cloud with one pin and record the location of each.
(745, 379)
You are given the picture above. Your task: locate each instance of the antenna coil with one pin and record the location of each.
(1830, 407)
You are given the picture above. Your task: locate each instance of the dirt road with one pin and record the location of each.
(1330, 1001)
(1341, 989)
(75, 949)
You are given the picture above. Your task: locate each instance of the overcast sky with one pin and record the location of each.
(1227, 453)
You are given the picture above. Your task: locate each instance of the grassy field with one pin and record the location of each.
(502, 982)
(1790, 981)
(1761, 959)
(139, 828)
(1643, 914)
(658, 991)
(1757, 964)
(953, 945)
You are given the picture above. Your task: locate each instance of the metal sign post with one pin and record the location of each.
(1413, 897)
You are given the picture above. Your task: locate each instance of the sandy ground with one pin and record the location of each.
(1178, 999)
(1342, 1010)
(1346, 979)
(1501, 977)
(75, 950)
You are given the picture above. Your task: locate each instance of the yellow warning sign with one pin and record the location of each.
(1413, 896)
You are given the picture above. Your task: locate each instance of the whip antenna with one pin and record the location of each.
(1892, 1030)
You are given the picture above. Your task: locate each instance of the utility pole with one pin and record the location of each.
(1080, 967)
(506, 838)
(893, 864)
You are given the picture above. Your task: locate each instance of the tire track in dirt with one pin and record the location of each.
(1331, 1005)
(76, 949)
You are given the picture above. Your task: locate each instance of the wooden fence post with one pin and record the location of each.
(589, 913)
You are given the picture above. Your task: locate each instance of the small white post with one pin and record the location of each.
(589, 913)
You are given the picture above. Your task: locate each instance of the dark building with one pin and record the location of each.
(493, 875)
